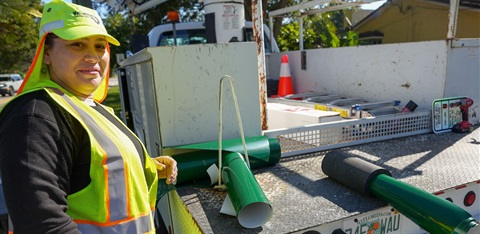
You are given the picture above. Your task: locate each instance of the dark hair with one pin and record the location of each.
(49, 39)
(48, 43)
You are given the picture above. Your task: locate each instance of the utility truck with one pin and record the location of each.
(347, 153)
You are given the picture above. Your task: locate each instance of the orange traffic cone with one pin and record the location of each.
(285, 83)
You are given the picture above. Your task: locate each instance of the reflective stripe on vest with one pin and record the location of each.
(119, 220)
(140, 225)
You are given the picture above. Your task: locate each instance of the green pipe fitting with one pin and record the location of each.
(251, 205)
(193, 165)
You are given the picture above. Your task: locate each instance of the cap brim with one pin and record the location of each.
(78, 32)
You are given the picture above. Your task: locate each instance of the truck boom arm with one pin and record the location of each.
(135, 7)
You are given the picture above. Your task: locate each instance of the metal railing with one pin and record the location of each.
(331, 135)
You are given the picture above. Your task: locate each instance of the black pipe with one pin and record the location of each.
(351, 171)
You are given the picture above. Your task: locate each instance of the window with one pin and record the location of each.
(370, 38)
(184, 37)
(17, 78)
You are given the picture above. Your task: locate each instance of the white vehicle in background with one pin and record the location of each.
(10, 83)
(189, 33)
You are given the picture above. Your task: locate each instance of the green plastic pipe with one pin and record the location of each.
(434, 214)
(192, 168)
(193, 165)
(260, 148)
(250, 203)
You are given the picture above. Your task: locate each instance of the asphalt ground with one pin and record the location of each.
(4, 100)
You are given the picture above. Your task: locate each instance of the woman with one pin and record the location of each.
(68, 165)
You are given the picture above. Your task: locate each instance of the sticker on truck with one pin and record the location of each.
(446, 113)
(343, 112)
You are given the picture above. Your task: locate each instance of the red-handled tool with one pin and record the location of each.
(464, 126)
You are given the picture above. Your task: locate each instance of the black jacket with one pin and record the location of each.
(44, 156)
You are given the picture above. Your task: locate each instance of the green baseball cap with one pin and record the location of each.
(71, 22)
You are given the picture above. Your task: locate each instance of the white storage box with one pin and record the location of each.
(287, 116)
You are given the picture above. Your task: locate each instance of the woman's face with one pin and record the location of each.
(78, 65)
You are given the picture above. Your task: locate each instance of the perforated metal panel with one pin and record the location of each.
(324, 136)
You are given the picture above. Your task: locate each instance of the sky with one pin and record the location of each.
(373, 6)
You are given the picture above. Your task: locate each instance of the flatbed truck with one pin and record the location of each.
(172, 99)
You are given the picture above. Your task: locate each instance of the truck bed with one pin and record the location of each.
(302, 196)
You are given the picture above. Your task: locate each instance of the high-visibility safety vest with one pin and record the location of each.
(121, 196)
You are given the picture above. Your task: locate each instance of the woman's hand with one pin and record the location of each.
(166, 168)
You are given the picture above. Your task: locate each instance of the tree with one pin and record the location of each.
(321, 30)
(325, 30)
(18, 34)
(289, 37)
(123, 26)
